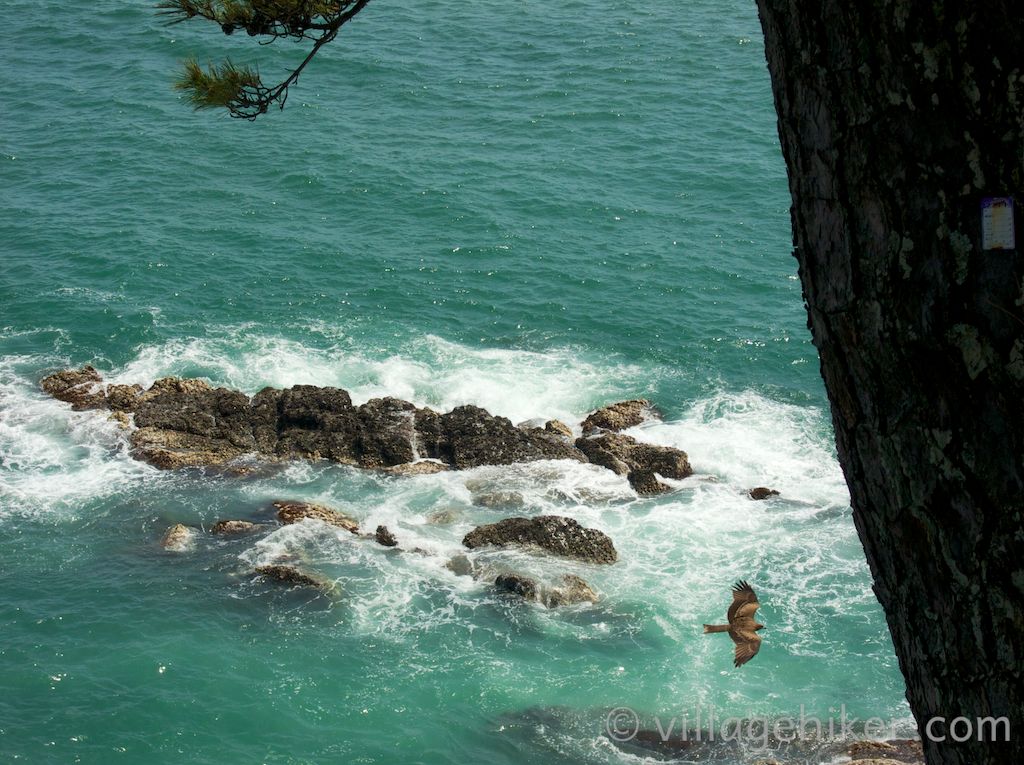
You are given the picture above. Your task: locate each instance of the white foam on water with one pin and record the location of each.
(678, 552)
(682, 551)
(429, 371)
(52, 458)
(750, 440)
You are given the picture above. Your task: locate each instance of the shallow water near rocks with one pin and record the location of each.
(535, 209)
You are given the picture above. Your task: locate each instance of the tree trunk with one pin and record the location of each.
(896, 119)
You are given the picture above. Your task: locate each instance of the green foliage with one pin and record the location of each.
(239, 89)
(224, 86)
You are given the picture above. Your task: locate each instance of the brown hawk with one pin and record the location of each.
(741, 627)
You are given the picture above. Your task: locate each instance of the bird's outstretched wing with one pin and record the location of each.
(744, 603)
(747, 645)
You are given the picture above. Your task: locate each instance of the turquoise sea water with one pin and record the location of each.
(538, 208)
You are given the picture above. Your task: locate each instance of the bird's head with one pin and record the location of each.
(758, 626)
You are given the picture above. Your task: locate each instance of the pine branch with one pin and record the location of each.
(240, 89)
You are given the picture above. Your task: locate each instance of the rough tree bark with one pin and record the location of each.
(896, 118)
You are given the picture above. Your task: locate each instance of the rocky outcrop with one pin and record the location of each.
(178, 538)
(234, 527)
(295, 511)
(626, 456)
(469, 436)
(84, 389)
(78, 387)
(762, 492)
(385, 537)
(553, 533)
(189, 423)
(619, 416)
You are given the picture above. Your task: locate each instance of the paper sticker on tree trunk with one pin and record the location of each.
(997, 230)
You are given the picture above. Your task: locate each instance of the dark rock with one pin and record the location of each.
(316, 423)
(523, 586)
(619, 416)
(234, 527)
(387, 433)
(78, 387)
(469, 437)
(186, 423)
(385, 537)
(290, 575)
(626, 456)
(189, 423)
(762, 492)
(294, 511)
(646, 483)
(123, 398)
(431, 441)
(554, 533)
(264, 415)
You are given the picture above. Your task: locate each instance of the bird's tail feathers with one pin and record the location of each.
(715, 628)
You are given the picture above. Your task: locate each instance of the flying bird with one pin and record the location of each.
(741, 627)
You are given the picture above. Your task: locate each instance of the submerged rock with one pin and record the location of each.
(516, 584)
(499, 499)
(443, 516)
(385, 537)
(178, 538)
(291, 575)
(573, 590)
(553, 533)
(618, 416)
(294, 511)
(896, 750)
(234, 527)
(422, 467)
(762, 492)
(461, 565)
